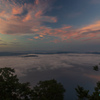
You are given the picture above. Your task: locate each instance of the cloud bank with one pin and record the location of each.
(22, 65)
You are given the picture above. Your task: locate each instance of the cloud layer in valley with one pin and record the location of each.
(23, 65)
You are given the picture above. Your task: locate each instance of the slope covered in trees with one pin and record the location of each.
(12, 89)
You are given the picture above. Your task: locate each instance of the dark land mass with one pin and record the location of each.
(26, 54)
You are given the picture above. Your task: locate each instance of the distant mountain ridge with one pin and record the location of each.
(26, 53)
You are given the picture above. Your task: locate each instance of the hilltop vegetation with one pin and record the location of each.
(12, 89)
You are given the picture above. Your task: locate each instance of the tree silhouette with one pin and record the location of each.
(84, 94)
(12, 89)
(95, 68)
(96, 93)
(48, 90)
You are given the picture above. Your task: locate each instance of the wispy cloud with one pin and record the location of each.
(28, 18)
(90, 31)
(23, 18)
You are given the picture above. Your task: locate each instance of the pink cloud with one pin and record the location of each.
(30, 39)
(89, 31)
(17, 10)
(2, 13)
(37, 2)
(39, 13)
(27, 18)
(13, 21)
(41, 36)
(36, 37)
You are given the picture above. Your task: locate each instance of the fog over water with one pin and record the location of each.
(69, 69)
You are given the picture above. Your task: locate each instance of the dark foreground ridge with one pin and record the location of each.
(12, 89)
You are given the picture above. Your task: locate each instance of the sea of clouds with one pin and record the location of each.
(41, 62)
(69, 69)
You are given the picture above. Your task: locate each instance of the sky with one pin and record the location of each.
(50, 25)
